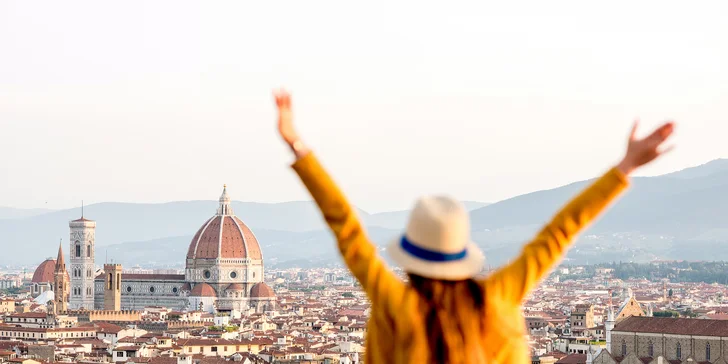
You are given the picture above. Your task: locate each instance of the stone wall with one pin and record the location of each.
(667, 346)
(137, 294)
(102, 315)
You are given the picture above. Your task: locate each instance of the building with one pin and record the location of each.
(630, 307)
(7, 305)
(83, 271)
(582, 319)
(112, 287)
(223, 271)
(43, 278)
(9, 283)
(641, 339)
(60, 285)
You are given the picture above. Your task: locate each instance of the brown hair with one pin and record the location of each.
(441, 302)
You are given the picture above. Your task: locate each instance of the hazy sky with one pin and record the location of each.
(153, 101)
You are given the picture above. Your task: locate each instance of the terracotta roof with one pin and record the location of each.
(224, 237)
(573, 359)
(235, 287)
(671, 325)
(203, 290)
(106, 327)
(262, 290)
(29, 315)
(44, 272)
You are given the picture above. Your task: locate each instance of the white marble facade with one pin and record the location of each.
(81, 268)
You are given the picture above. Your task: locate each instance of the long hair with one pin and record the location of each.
(442, 302)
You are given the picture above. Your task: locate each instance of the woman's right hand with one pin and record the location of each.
(643, 151)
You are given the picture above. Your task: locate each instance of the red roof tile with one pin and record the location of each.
(671, 325)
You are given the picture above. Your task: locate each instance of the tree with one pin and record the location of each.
(669, 293)
(348, 294)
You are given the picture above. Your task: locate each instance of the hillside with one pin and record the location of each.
(13, 213)
(681, 215)
(128, 222)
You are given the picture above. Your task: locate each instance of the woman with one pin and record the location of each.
(444, 314)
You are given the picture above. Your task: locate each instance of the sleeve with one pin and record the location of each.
(513, 282)
(360, 255)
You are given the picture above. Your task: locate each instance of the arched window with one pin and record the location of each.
(111, 280)
(78, 249)
(707, 351)
(88, 251)
(650, 349)
(624, 348)
(679, 351)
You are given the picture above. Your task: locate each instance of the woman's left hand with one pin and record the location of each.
(285, 117)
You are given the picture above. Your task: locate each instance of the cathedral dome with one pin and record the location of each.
(203, 290)
(224, 236)
(44, 272)
(262, 290)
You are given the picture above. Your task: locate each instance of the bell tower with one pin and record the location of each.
(60, 283)
(112, 287)
(83, 235)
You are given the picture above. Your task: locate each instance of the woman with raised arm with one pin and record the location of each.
(444, 314)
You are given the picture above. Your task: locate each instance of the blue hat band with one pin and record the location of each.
(430, 255)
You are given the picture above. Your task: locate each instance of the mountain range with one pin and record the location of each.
(680, 215)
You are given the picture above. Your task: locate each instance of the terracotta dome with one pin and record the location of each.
(235, 287)
(224, 236)
(45, 272)
(186, 287)
(203, 290)
(262, 290)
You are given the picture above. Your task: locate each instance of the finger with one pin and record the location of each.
(666, 150)
(633, 132)
(661, 134)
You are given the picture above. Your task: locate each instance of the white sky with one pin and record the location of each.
(152, 101)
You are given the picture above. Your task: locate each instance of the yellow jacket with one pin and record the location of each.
(396, 333)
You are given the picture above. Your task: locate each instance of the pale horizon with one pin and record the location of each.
(167, 101)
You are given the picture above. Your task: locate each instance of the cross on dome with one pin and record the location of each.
(225, 207)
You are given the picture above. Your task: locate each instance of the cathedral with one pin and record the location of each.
(223, 272)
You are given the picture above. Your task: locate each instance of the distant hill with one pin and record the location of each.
(125, 222)
(398, 219)
(13, 213)
(129, 222)
(703, 170)
(279, 247)
(681, 215)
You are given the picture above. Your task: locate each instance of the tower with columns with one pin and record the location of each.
(60, 283)
(83, 234)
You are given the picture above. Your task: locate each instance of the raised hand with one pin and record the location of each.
(285, 124)
(643, 151)
(285, 117)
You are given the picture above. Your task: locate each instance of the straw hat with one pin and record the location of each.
(437, 241)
